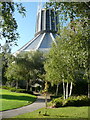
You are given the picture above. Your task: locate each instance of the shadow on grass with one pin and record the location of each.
(13, 97)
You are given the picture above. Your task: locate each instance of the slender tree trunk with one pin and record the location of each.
(46, 100)
(16, 84)
(64, 89)
(46, 89)
(11, 84)
(70, 89)
(57, 89)
(67, 91)
(27, 85)
(88, 90)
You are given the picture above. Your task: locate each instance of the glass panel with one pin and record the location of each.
(47, 20)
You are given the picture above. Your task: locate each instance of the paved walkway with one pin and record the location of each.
(39, 103)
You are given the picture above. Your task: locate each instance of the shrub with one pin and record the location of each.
(78, 101)
(13, 89)
(58, 102)
(72, 101)
(6, 87)
(20, 90)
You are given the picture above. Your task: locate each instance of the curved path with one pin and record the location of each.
(39, 103)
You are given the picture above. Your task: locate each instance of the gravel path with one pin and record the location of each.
(39, 103)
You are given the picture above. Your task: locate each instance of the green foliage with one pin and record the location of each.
(20, 90)
(13, 89)
(8, 22)
(26, 66)
(71, 101)
(13, 73)
(70, 10)
(68, 58)
(78, 101)
(6, 87)
(6, 58)
(57, 102)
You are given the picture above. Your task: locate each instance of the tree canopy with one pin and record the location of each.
(26, 66)
(8, 22)
(68, 59)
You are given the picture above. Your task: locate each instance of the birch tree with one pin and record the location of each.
(68, 57)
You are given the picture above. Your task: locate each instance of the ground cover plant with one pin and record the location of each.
(11, 100)
(64, 112)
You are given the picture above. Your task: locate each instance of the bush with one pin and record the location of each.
(6, 87)
(72, 101)
(58, 102)
(20, 90)
(78, 101)
(13, 89)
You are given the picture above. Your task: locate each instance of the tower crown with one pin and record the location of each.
(47, 21)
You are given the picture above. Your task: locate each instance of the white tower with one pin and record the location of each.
(46, 28)
(47, 21)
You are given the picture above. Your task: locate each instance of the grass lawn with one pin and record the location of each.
(10, 100)
(64, 112)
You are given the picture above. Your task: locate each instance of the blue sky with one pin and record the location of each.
(26, 25)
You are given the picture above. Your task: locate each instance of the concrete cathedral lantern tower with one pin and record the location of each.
(46, 28)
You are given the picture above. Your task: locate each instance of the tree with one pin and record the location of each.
(72, 11)
(14, 74)
(26, 66)
(8, 22)
(8, 30)
(69, 57)
(33, 67)
(6, 58)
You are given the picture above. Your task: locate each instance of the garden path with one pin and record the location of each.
(39, 103)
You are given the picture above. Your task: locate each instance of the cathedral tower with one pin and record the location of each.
(46, 28)
(47, 21)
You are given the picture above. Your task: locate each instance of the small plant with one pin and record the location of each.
(45, 114)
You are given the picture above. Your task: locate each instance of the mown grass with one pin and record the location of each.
(64, 112)
(10, 100)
